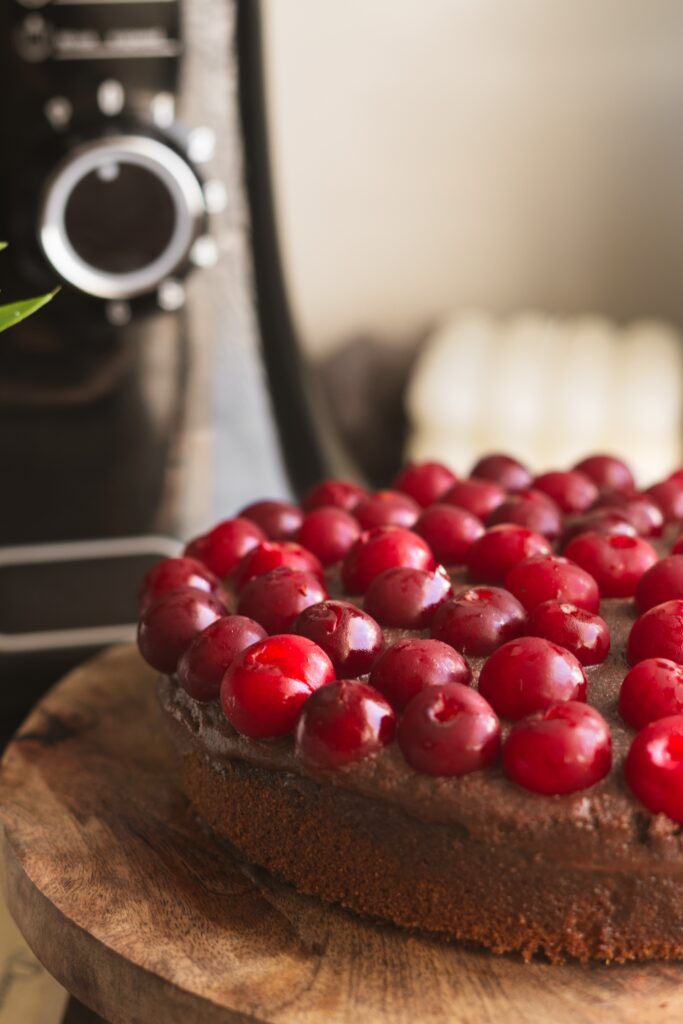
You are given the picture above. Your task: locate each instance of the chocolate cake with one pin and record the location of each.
(552, 823)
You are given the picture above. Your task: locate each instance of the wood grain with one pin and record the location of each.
(141, 915)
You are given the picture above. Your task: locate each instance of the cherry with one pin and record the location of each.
(351, 639)
(572, 491)
(503, 470)
(277, 597)
(329, 533)
(642, 512)
(479, 497)
(668, 495)
(450, 532)
(212, 652)
(502, 547)
(407, 598)
(532, 509)
(380, 549)
(273, 554)
(658, 634)
(387, 508)
(339, 493)
(279, 520)
(582, 633)
(561, 749)
(479, 620)
(654, 767)
(677, 549)
(449, 730)
(221, 548)
(599, 520)
(172, 573)
(652, 689)
(608, 473)
(552, 578)
(662, 582)
(168, 627)
(616, 562)
(411, 664)
(342, 723)
(425, 482)
(264, 689)
(530, 674)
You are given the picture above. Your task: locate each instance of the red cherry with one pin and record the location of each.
(387, 508)
(662, 582)
(407, 598)
(503, 470)
(411, 664)
(654, 767)
(677, 549)
(277, 597)
(264, 689)
(329, 533)
(449, 531)
(479, 497)
(668, 495)
(172, 573)
(380, 549)
(530, 674)
(279, 520)
(642, 512)
(552, 578)
(532, 509)
(658, 634)
(273, 554)
(449, 730)
(599, 520)
(339, 493)
(212, 652)
(615, 562)
(425, 482)
(351, 639)
(479, 620)
(652, 689)
(502, 547)
(168, 627)
(343, 723)
(608, 473)
(221, 548)
(582, 633)
(571, 490)
(562, 749)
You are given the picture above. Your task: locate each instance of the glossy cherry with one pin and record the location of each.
(273, 554)
(222, 548)
(530, 674)
(552, 578)
(499, 549)
(479, 497)
(264, 689)
(279, 520)
(387, 508)
(532, 509)
(571, 490)
(662, 582)
(407, 598)
(342, 723)
(608, 473)
(641, 511)
(329, 533)
(450, 532)
(425, 482)
(168, 627)
(598, 520)
(561, 749)
(212, 652)
(412, 664)
(383, 548)
(658, 634)
(277, 597)
(350, 638)
(582, 633)
(479, 620)
(669, 496)
(340, 493)
(449, 729)
(503, 470)
(654, 767)
(172, 573)
(652, 689)
(616, 562)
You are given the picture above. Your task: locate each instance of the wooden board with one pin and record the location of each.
(141, 915)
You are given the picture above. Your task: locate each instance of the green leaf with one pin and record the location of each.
(14, 312)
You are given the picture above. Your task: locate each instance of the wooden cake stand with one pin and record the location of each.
(134, 908)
